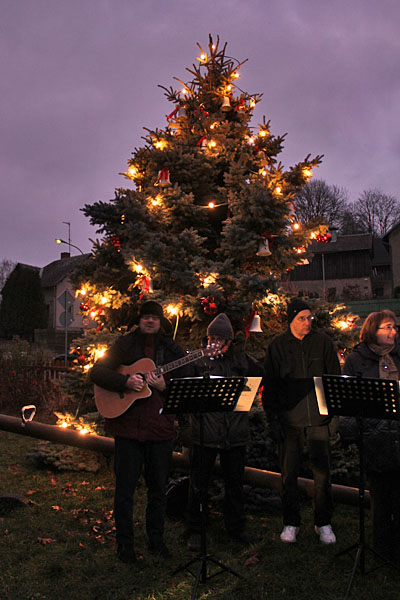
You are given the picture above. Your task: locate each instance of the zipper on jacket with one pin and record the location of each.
(305, 375)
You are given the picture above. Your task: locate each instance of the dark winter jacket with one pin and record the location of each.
(226, 429)
(381, 436)
(142, 421)
(290, 366)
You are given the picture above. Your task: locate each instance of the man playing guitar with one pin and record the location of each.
(143, 436)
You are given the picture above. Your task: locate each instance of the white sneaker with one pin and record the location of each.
(289, 534)
(326, 535)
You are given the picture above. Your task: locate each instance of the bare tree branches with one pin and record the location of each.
(375, 212)
(318, 201)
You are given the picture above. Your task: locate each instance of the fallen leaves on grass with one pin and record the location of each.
(45, 541)
(98, 528)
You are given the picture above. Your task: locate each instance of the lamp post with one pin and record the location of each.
(68, 224)
(60, 241)
(66, 303)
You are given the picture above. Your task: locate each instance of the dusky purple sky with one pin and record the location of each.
(79, 82)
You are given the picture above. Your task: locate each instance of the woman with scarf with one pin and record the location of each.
(378, 356)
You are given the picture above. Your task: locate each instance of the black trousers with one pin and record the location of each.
(232, 464)
(385, 513)
(316, 439)
(131, 457)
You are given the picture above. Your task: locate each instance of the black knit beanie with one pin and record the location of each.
(151, 307)
(294, 307)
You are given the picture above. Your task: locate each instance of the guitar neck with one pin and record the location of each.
(178, 363)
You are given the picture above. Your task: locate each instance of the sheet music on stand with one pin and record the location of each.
(349, 396)
(202, 394)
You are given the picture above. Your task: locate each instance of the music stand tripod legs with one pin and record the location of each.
(199, 396)
(360, 398)
(361, 547)
(203, 558)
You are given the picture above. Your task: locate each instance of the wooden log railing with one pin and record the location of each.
(105, 445)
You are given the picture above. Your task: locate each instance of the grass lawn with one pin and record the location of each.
(61, 546)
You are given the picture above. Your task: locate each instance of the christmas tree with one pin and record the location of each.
(208, 224)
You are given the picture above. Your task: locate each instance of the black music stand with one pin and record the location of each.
(361, 398)
(198, 396)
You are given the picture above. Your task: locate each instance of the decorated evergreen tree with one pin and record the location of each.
(210, 225)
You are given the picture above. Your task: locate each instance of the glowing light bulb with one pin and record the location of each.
(296, 226)
(211, 205)
(307, 172)
(172, 309)
(278, 190)
(132, 171)
(229, 87)
(252, 103)
(103, 300)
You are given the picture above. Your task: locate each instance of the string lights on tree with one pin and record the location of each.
(208, 156)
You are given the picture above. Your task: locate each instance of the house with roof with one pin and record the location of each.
(350, 267)
(63, 308)
(392, 239)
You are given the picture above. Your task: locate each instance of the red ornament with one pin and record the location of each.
(116, 242)
(84, 307)
(324, 237)
(209, 306)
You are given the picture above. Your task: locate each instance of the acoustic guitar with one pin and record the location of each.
(114, 404)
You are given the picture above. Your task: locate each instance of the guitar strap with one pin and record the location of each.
(159, 359)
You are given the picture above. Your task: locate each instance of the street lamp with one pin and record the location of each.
(60, 241)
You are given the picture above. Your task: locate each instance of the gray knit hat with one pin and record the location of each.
(221, 326)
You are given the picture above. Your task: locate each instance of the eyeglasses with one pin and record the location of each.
(303, 319)
(388, 328)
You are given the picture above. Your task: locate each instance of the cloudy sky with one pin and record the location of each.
(79, 82)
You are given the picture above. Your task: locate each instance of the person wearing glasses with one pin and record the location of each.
(377, 355)
(292, 360)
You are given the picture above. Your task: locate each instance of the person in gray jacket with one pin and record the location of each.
(378, 356)
(293, 359)
(225, 434)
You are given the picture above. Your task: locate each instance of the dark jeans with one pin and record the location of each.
(291, 449)
(130, 457)
(232, 464)
(385, 513)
